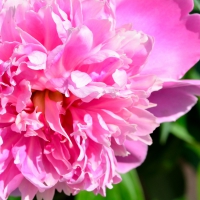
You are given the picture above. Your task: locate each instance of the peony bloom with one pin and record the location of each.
(83, 84)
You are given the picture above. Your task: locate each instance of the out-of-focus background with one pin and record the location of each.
(171, 170)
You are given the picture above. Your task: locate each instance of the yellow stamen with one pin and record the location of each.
(38, 98)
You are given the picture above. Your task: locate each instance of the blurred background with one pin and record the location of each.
(171, 170)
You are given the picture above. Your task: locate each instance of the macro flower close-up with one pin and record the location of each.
(83, 84)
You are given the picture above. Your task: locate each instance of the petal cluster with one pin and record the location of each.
(83, 84)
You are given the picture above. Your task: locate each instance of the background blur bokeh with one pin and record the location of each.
(171, 170)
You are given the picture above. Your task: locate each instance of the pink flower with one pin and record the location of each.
(83, 84)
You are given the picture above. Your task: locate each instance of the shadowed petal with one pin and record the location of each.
(138, 152)
(174, 100)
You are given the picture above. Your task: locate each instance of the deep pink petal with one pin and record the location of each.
(10, 180)
(77, 48)
(50, 31)
(185, 7)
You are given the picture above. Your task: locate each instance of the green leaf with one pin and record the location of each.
(198, 105)
(181, 133)
(87, 195)
(197, 5)
(165, 131)
(129, 188)
(14, 198)
(131, 184)
(195, 148)
(181, 198)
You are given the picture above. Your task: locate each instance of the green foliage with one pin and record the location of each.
(181, 133)
(14, 198)
(164, 132)
(129, 188)
(197, 5)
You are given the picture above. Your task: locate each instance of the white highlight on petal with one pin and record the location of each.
(81, 79)
(120, 77)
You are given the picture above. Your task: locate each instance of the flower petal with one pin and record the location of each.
(138, 152)
(177, 45)
(174, 100)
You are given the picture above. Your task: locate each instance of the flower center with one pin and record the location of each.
(38, 98)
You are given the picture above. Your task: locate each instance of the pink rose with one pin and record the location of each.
(83, 84)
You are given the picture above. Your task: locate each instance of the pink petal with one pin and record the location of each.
(185, 7)
(50, 30)
(9, 180)
(177, 45)
(120, 77)
(145, 124)
(137, 150)
(81, 79)
(6, 50)
(174, 100)
(32, 25)
(28, 160)
(52, 113)
(79, 88)
(100, 28)
(38, 58)
(28, 191)
(46, 195)
(8, 31)
(77, 47)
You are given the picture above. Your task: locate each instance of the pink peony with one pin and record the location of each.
(83, 84)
